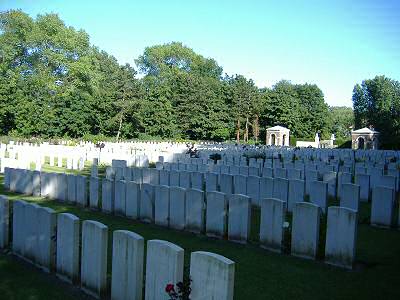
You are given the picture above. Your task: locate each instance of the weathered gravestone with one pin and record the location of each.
(350, 196)
(164, 265)
(94, 192)
(363, 181)
(195, 211)
(94, 258)
(147, 203)
(216, 212)
(281, 189)
(4, 221)
(296, 193)
(81, 191)
(341, 236)
(177, 208)
(67, 264)
(271, 225)
(161, 205)
(383, 206)
(120, 197)
(319, 194)
(127, 266)
(107, 196)
(305, 230)
(239, 218)
(132, 199)
(212, 276)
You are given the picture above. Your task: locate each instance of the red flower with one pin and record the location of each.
(169, 288)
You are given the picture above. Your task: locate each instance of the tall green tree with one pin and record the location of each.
(377, 103)
(281, 107)
(314, 112)
(54, 83)
(245, 102)
(300, 107)
(342, 121)
(189, 84)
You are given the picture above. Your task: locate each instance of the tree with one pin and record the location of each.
(54, 83)
(160, 59)
(189, 85)
(360, 107)
(281, 107)
(314, 113)
(245, 101)
(342, 120)
(377, 103)
(300, 107)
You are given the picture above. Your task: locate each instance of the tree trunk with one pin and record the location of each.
(119, 128)
(238, 131)
(256, 128)
(246, 135)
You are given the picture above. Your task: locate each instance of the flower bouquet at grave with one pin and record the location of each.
(182, 291)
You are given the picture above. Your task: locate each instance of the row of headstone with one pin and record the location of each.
(187, 210)
(51, 241)
(252, 186)
(290, 191)
(122, 197)
(74, 157)
(194, 179)
(376, 175)
(230, 154)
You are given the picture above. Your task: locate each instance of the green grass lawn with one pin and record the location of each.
(259, 274)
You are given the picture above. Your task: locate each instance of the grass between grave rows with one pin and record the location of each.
(259, 274)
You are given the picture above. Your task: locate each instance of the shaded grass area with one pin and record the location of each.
(21, 281)
(260, 274)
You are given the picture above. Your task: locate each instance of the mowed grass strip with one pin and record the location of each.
(260, 274)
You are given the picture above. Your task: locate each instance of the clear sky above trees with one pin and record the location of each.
(329, 43)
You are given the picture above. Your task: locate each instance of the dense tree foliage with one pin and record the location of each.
(377, 103)
(342, 120)
(54, 83)
(300, 107)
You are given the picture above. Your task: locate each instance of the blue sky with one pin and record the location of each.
(334, 44)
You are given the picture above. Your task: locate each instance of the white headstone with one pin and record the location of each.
(120, 197)
(177, 207)
(147, 203)
(127, 266)
(195, 210)
(350, 196)
(305, 230)
(164, 265)
(239, 219)
(212, 275)
(107, 196)
(383, 205)
(68, 247)
(94, 258)
(4, 221)
(216, 211)
(271, 225)
(132, 199)
(161, 205)
(341, 235)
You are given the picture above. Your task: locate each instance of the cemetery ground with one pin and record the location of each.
(259, 274)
